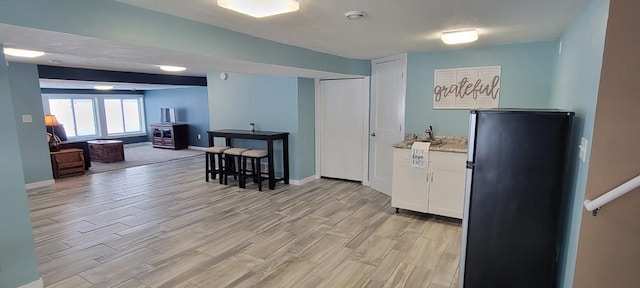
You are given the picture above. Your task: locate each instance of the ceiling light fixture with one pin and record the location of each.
(22, 53)
(459, 36)
(260, 8)
(103, 87)
(172, 68)
(355, 15)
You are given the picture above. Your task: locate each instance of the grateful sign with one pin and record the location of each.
(466, 88)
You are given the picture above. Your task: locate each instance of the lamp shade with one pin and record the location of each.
(50, 120)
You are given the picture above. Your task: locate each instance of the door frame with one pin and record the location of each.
(402, 109)
(403, 103)
(365, 132)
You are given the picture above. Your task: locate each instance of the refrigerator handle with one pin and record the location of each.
(470, 165)
(472, 136)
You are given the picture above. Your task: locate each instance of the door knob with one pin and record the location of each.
(373, 134)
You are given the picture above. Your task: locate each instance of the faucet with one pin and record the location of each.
(430, 132)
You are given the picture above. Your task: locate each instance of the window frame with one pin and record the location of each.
(99, 113)
(121, 97)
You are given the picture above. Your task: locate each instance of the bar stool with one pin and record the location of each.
(232, 156)
(254, 156)
(210, 160)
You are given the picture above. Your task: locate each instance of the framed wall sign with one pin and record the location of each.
(466, 88)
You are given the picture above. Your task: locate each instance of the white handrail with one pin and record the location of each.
(612, 195)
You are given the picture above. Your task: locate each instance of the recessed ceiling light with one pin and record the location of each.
(459, 36)
(22, 53)
(260, 8)
(172, 68)
(355, 15)
(103, 87)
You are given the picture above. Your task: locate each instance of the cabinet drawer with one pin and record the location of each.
(399, 153)
(448, 157)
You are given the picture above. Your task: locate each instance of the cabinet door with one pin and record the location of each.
(446, 190)
(167, 133)
(410, 189)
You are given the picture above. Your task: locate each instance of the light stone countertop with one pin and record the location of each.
(448, 143)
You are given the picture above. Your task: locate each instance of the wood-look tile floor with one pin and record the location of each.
(162, 225)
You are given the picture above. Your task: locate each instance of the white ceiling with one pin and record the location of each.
(390, 28)
(93, 53)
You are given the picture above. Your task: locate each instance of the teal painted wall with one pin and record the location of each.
(113, 20)
(269, 102)
(34, 150)
(18, 262)
(526, 77)
(191, 106)
(577, 78)
(307, 130)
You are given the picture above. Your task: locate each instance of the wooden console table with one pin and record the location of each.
(106, 150)
(268, 136)
(67, 162)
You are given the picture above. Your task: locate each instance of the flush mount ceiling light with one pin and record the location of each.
(459, 36)
(103, 87)
(172, 68)
(355, 15)
(22, 53)
(260, 8)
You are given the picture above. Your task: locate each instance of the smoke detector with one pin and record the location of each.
(355, 15)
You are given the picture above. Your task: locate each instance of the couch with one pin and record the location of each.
(66, 144)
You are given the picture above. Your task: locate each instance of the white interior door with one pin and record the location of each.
(343, 128)
(387, 118)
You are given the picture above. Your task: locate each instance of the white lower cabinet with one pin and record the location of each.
(438, 190)
(409, 186)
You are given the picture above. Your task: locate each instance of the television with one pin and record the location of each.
(168, 115)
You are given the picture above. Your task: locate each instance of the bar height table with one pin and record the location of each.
(268, 136)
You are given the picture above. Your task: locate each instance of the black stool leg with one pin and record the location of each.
(206, 166)
(228, 165)
(220, 167)
(212, 161)
(235, 168)
(253, 169)
(243, 168)
(258, 173)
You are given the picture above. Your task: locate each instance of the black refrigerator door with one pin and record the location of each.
(515, 195)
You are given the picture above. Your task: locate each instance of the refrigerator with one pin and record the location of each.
(515, 185)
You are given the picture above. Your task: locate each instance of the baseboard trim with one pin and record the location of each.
(35, 284)
(303, 181)
(197, 148)
(39, 184)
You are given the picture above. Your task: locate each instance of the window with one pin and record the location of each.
(77, 115)
(87, 116)
(122, 116)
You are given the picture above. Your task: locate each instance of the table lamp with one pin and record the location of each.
(51, 121)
